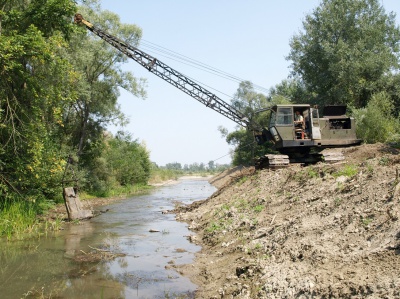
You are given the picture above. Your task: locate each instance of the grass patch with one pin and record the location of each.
(366, 221)
(306, 174)
(115, 191)
(384, 161)
(242, 180)
(214, 227)
(338, 201)
(18, 218)
(258, 208)
(348, 171)
(312, 173)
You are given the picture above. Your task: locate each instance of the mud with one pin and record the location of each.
(320, 231)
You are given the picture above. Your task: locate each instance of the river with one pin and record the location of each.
(64, 264)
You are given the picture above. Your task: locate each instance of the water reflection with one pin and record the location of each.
(70, 264)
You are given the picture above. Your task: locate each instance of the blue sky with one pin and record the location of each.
(248, 39)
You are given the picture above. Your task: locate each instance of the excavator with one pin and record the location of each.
(297, 142)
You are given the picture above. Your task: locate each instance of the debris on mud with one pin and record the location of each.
(318, 231)
(96, 255)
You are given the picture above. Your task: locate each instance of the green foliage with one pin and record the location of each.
(306, 174)
(338, 201)
(214, 227)
(129, 160)
(19, 217)
(159, 175)
(107, 163)
(123, 162)
(290, 91)
(195, 168)
(174, 166)
(35, 86)
(242, 180)
(384, 161)
(248, 102)
(258, 208)
(348, 171)
(377, 122)
(346, 51)
(366, 221)
(312, 173)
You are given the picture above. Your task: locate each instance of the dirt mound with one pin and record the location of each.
(321, 231)
(226, 177)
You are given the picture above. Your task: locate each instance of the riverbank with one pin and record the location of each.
(321, 231)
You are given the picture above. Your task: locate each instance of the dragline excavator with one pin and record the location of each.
(298, 141)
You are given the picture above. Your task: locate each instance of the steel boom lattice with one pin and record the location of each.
(170, 75)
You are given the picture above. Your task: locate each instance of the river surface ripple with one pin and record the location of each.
(48, 267)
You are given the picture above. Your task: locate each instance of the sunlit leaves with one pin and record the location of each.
(346, 50)
(376, 122)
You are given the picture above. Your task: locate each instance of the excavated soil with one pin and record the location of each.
(319, 231)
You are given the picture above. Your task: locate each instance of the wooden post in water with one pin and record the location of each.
(74, 206)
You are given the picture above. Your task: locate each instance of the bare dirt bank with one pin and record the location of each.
(321, 231)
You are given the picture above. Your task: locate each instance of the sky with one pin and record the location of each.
(246, 39)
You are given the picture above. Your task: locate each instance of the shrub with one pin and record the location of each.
(377, 122)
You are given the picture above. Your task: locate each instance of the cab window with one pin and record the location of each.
(284, 116)
(272, 121)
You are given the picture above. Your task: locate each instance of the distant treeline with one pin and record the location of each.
(211, 166)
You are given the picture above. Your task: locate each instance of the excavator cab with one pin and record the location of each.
(293, 124)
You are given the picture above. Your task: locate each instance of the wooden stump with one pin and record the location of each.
(74, 206)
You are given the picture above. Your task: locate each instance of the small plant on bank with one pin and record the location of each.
(258, 246)
(366, 221)
(370, 169)
(338, 201)
(242, 180)
(306, 174)
(348, 171)
(312, 173)
(258, 208)
(214, 227)
(384, 161)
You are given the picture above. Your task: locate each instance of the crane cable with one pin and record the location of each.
(172, 55)
(235, 150)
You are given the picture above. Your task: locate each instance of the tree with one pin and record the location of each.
(376, 123)
(248, 102)
(346, 51)
(58, 91)
(99, 67)
(174, 166)
(35, 85)
(291, 91)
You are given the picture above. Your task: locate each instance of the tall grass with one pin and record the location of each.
(18, 218)
(115, 191)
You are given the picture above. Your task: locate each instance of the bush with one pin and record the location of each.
(377, 122)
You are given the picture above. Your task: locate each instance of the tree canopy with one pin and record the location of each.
(348, 50)
(248, 101)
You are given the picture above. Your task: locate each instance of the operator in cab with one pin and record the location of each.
(298, 119)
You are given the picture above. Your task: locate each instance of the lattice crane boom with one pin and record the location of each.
(172, 76)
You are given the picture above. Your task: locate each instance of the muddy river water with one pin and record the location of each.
(62, 265)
